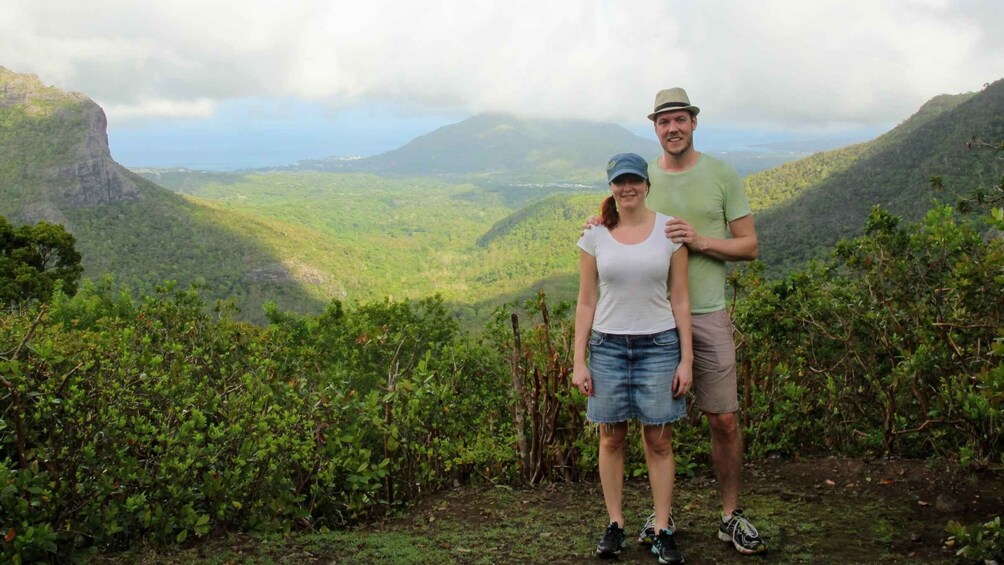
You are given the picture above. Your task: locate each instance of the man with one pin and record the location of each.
(712, 218)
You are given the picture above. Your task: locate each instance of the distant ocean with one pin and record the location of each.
(237, 143)
(257, 133)
(219, 151)
(221, 160)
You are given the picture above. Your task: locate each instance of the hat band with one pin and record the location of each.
(668, 105)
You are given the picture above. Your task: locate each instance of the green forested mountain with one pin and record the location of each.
(55, 166)
(501, 146)
(804, 208)
(470, 228)
(298, 238)
(782, 183)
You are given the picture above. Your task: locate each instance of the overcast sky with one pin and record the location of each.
(397, 67)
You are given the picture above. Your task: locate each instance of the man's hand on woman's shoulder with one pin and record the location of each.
(592, 221)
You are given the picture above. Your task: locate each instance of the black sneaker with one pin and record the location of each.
(664, 547)
(742, 534)
(647, 535)
(612, 542)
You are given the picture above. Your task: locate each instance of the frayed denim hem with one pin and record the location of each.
(598, 423)
(594, 427)
(664, 423)
(608, 422)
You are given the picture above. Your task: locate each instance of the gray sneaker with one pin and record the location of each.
(647, 536)
(741, 533)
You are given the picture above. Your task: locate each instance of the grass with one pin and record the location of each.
(874, 512)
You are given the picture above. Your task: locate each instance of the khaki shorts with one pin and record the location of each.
(715, 363)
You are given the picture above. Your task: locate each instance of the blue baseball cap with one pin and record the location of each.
(625, 163)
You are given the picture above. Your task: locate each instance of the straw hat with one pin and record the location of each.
(670, 100)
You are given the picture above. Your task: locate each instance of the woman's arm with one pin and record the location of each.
(584, 310)
(679, 299)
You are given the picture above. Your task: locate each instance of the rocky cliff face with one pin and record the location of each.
(81, 173)
(92, 178)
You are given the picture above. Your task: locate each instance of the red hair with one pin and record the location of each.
(608, 211)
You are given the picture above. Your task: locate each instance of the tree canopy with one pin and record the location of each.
(34, 259)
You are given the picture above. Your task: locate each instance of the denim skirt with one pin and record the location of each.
(633, 378)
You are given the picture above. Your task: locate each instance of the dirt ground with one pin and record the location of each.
(809, 511)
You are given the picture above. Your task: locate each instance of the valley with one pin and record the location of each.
(480, 212)
(359, 237)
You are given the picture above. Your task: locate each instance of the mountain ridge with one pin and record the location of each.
(803, 208)
(56, 166)
(89, 177)
(504, 146)
(485, 232)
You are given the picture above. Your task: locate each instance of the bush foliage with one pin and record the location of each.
(159, 420)
(891, 346)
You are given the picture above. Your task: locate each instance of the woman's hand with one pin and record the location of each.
(683, 380)
(583, 380)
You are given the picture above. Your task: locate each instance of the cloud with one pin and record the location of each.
(783, 63)
(161, 108)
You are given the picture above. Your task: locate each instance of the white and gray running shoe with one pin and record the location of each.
(742, 534)
(647, 536)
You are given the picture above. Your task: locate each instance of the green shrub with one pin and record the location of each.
(158, 420)
(977, 543)
(886, 348)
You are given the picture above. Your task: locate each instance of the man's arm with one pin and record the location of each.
(742, 246)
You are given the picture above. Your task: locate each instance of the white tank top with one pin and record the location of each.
(633, 281)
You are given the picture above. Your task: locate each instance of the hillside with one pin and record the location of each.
(54, 153)
(480, 212)
(501, 146)
(804, 208)
(407, 237)
(536, 247)
(55, 166)
(782, 183)
(296, 238)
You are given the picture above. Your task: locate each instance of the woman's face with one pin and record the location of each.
(629, 190)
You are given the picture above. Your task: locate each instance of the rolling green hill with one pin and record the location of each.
(298, 238)
(804, 208)
(369, 237)
(535, 247)
(493, 225)
(782, 183)
(505, 147)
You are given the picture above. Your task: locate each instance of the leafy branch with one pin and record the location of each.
(992, 198)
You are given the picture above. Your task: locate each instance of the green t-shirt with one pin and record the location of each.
(709, 195)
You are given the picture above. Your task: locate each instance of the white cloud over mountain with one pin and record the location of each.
(783, 63)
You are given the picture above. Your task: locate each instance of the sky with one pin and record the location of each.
(234, 83)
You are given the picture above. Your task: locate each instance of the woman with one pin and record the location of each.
(640, 355)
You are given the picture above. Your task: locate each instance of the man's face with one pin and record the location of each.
(675, 131)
